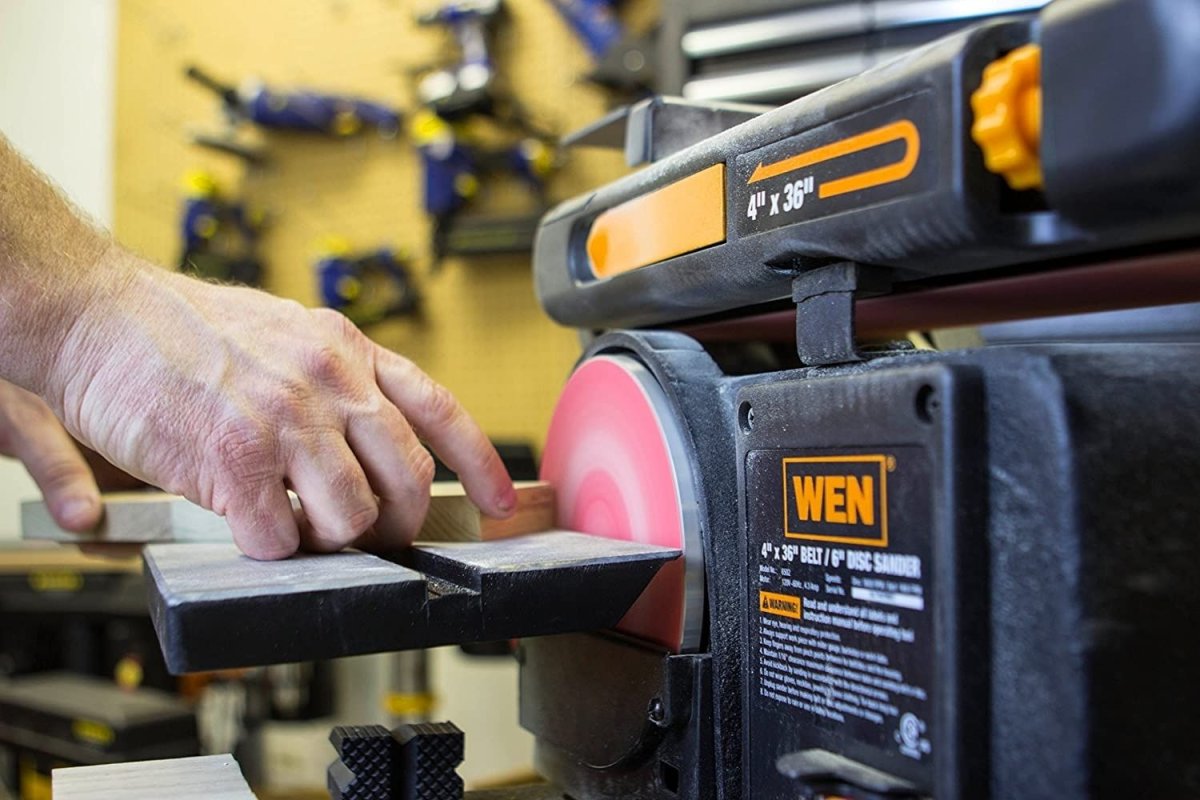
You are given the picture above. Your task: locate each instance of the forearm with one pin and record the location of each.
(53, 264)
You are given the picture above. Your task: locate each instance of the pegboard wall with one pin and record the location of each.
(481, 333)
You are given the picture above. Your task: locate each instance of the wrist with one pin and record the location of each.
(105, 297)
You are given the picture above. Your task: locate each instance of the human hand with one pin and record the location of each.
(30, 432)
(230, 397)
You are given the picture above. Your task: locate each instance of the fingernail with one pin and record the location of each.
(507, 501)
(78, 512)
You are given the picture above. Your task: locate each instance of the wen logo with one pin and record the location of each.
(837, 499)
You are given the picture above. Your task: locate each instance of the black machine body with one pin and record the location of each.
(928, 575)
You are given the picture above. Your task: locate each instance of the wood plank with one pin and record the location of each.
(132, 517)
(145, 517)
(454, 518)
(197, 778)
(23, 557)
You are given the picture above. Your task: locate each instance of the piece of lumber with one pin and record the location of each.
(132, 518)
(454, 518)
(196, 778)
(28, 557)
(145, 517)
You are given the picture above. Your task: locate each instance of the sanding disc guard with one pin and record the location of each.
(617, 459)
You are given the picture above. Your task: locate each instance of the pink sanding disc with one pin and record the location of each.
(615, 458)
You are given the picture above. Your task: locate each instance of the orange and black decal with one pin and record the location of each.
(678, 218)
(781, 605)
(840, 499)
(843, 165)
(900, 131)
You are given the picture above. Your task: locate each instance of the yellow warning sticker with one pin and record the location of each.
(781, 605)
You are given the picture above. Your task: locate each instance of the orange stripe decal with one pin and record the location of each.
(683, 216)
(899, 131)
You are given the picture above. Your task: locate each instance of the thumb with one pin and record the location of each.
(36, 437)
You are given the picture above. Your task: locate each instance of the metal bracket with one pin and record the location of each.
(824, 300)
(821, 773)
(213, 608)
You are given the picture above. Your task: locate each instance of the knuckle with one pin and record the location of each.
(259, 529)
(422, 466)
(355, 511)
(342, 530)
(289, 404)
(247, 450)
(482, 452)
(60, 473)
(339, 324)
(357, 522)
(325, 364)
(344, 477)
(438, 406)
(329, 316)
(373, 405)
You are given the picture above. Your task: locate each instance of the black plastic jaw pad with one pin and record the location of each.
(214, 608)
(365, 766)
(430, 753)
(412, 762)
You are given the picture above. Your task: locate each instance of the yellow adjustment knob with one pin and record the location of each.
(1008, 117)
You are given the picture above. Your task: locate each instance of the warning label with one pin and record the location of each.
(842, 640)
(806, 667)
(783, 605)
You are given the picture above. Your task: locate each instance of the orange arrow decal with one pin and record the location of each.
(900, 131)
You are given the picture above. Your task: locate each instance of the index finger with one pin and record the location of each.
(446, 426)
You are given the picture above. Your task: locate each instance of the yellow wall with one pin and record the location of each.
(482, 334)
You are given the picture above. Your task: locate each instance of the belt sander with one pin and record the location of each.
(870, 571)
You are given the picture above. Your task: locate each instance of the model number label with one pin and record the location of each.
(867, 158)
(773, 203)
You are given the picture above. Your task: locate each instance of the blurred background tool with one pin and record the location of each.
(467, 86)
(456, 159)
(473, 130)
(299, 110)
(620, 61)
(368, 287)
(220, 234)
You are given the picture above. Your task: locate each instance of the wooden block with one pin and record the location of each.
(20, 558)
(132, 517)
(143, 517)
(198, 778)
(454, 518)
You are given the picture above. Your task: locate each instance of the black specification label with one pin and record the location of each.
(861, 160)
(841, 605)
